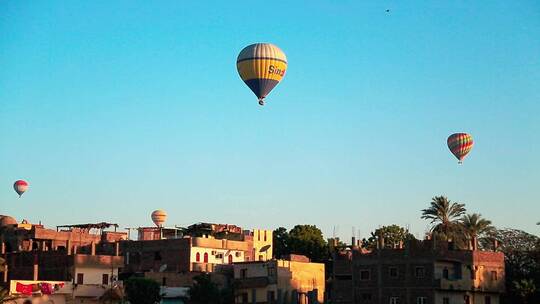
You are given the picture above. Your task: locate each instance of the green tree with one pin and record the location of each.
(309, 241)
(392, 235)
(142, 291)
(444, 216)
(524, 288)
(522, 262)
(204, 291)
(474, 226)
(281, 242)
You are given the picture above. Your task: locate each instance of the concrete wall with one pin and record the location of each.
(262, 238)
(237, 255)
(302, 277)
(457, 297)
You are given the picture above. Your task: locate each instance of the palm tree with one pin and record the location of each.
(445, 215)
(474, 226)
(524, 288)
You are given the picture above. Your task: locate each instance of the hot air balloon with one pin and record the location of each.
(261, 66)
(460, 144)
(20, 187)
(159, 217)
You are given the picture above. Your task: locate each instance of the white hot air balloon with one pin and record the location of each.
(159, 217)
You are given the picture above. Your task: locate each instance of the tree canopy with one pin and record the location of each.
(307, 240)
(142, 291)
(205, 291)
(392, 235)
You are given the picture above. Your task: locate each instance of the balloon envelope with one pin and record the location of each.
(460, 144)
(261, 66)
(159, 217)
(20, 187)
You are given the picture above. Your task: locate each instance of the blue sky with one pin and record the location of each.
(113, 109)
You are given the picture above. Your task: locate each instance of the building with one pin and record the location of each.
(294, 280)
(85, 259)
(174, 259)
(420, 272)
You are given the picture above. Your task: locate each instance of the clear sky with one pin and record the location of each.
(111, 109)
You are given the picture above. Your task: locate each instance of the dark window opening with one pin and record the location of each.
(393, 272)
(206, 257)
(365, 275)
(366, 296)
(419, 272)
(80, 278)
(197, 257)
(105, 279)
(243, 273)
(487, 300)
(164, 281)
(157, 256)
(446, 300)
(445, 273)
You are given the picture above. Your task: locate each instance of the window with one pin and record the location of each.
(421, 300)
(445, 273)
(393, 272)
(237, 254)
(230, 259)
(105, 279)
(80, 278)
(446, 300)
(394, 300)
(258, 235)
(271, 271)
(419, 272)
(494, 276)
(197, 257)
(206, 257)
(261, 257)
(366, 297)
(245, 298)
(164, 281)
(487, 300)
(157, 256)
(243, 273)
(365, 275)
(265, 235)
(467, 299)
(270, 296)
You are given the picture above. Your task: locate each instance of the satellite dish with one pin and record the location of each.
(162, 268)
(265, 248)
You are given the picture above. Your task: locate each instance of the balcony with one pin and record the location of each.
(255, 282)
(454, 284)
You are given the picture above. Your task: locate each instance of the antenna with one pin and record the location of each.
(334, 232)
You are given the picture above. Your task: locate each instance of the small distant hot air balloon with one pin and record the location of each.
(261, 66)
(460, 144)
(20, 187)
(159, 217)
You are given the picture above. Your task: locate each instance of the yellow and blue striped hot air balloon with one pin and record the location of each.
(261, 66)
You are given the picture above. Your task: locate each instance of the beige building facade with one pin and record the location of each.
(287, 281)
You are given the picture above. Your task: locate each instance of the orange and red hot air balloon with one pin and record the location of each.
(460, 144)
(20, 187)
